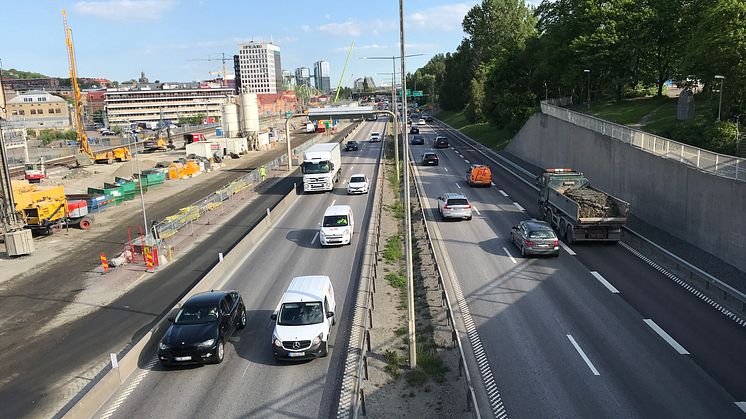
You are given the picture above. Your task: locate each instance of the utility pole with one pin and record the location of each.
(588, 72)
(720, 104)
(407, 206)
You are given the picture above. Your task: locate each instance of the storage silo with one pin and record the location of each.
(230, 120)
(249, 113)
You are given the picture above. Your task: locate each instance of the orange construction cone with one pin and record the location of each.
(104, 262)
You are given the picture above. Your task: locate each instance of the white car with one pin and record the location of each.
(358, 184)
(375, 137)
(421, 121)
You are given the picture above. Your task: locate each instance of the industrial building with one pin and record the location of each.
(258, 68)
(321, 75)
(145, 103)
(38, 110)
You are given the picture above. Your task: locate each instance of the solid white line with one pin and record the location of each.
(475, 209)
(502, 192)
(315, 236)
(446, 168)
(742, 406)
(662, 333)
(458, 186)
(567, 249)
(606, 283)
(517, 205)
(582, 354)
(509, 255)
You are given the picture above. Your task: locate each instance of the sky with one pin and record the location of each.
(116, 39)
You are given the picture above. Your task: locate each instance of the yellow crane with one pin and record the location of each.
(86, 154)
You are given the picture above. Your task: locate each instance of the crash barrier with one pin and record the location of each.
(690, 274)
(730, 167)
(108, 381)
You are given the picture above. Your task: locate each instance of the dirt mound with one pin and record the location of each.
(593, 204)
(78, 173)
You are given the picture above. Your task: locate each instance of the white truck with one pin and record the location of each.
(310, 127)
(322, 166)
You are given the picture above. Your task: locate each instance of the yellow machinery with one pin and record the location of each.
(86, 154)
(46, 210)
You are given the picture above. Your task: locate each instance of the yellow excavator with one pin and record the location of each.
(86, 155)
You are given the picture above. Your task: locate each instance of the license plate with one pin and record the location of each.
(543, 245)
(597, 235)
(183, 358)
(296, 354)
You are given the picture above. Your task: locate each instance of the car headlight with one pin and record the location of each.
(346, 233)
(317, 339)
(207, 343)
(162, 346)
(322, 234)
(276, 341)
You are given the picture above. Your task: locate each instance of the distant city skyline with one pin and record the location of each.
(170, 40)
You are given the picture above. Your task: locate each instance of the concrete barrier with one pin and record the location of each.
(107, 385)
(692, 205)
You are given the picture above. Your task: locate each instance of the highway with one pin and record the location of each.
(249, 382)
(596, 332)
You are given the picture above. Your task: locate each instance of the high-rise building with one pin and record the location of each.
(288, 79)
(321, 75)
(259, 68)
(303, 76)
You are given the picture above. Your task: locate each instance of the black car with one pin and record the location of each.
(414, 130)
(535, 238)
(200, 329)
(429, 159)
(440, 142)
(352, 146)
(428, 118)
(417, 140)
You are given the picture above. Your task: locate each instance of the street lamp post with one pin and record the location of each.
(142, 194)
(587, 71)
(720, 104)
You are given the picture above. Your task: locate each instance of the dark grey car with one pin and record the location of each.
(535, 238)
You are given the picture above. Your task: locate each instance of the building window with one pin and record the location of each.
(33, 111)
(21, 112)
(50, 110)
(57, 110)
(14, 113)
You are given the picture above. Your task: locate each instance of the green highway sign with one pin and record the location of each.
(417, 93)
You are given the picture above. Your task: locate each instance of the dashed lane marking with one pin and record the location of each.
(502, 192)
(583, 355)
(605, 283)
(467, 161)
(315, 236)
(662, 333)
(475, 209)
(333, 202)
(446, 168)
(492, 183)
(742, 406)
(567, 249)
(729, 314)
(458, 186)
(517, 205)
(507, 252)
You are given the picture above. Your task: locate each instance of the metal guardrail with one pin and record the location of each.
(696, 277)
(723, 165)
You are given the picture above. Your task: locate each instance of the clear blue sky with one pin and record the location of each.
(115, 39)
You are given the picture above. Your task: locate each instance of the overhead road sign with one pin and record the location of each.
(341, 112)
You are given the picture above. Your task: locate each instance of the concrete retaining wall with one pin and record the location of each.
(705, 210)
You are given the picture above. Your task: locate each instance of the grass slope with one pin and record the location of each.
(489, 135)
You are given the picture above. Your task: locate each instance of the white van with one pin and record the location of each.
(337, 225)
(304, 318)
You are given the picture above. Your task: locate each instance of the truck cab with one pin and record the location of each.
(321, 167)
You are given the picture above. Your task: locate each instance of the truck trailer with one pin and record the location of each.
(578, 211)
(321, 167)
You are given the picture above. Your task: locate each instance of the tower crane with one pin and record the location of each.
(223, 60)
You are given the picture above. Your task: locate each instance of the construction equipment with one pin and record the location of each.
(86, 156)
(159, 142)
(35, 172)
(45, 211)
(339, 86)
(224, 82)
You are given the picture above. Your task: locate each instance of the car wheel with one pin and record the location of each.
(219, 352)
(556, 255)
(569, 235)
(523, 251)
(468, 218)
(334, 320)
(242, 321)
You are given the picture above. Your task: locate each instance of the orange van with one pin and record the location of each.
(479, 175)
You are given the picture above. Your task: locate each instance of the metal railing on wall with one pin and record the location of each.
(723, 165)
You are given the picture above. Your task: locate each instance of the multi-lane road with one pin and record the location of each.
(249, 382)
(596, 332)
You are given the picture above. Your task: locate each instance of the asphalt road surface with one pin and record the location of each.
(249, 382)
(564, 342)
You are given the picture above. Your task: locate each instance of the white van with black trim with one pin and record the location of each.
(304, 318)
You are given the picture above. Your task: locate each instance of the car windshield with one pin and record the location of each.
(352, 143)
(313, 168)
(431, 156)
(300, 314)
(195, 314)
(541, 234)
(335, 221)
(458, 201)
(375, 134)
(357, 179)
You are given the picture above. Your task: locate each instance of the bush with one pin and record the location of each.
(393, 250)
(396, 280)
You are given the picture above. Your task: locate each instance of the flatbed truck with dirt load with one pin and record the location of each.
(577, 210)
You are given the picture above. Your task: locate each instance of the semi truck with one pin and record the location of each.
(577, 210)
(321, 167)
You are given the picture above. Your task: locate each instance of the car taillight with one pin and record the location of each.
(468, 206)
(555, 243)
(528, 243)
(445, 206)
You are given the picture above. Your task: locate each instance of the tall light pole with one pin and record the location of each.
(587, 71)
(142, 194)
(407, 207)
(720, 104)
(393, 99)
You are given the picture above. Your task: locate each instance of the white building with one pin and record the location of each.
(259, 68)
(38, 110)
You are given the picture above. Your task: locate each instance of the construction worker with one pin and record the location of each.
(262, 172)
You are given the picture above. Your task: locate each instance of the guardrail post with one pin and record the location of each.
(365, 366)
(460, 367)
(454, 337)
(370, 318)
(362, 402)
(448, 317)
(442, 297)
(367, 339)
(468, 399)
(372, 301)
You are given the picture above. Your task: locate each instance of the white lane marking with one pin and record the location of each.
(467, 161)
(246, 369)
(357, 158)
(606, 283)
(583, 355)
(502, 192)
(492, 183)
(475, 209)
(517, 205)
(662, 333)
(333, 202)
(446, 168)
(567, 249)
(742, 406)
(352, 167)
(458, 186)
(315, 236)
(509, 255)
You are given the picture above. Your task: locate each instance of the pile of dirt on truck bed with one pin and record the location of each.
(593, 204)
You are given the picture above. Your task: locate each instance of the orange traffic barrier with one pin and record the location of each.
(148, 259)
(104, 262)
